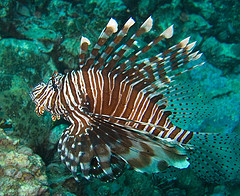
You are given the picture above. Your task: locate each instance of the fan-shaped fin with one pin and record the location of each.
(101, 150)
(215, 156)
(111, 28)
(83, 49)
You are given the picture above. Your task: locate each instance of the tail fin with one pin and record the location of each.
(215, 157)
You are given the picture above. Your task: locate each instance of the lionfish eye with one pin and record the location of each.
(54, 85)
(50, 82)
(55, 81)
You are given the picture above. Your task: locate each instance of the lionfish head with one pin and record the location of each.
(44, 92)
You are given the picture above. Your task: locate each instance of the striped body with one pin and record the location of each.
(84, 92)
(118, 106)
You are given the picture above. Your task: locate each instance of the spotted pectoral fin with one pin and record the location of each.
(216, 157)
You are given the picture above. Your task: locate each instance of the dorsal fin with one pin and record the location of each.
(83, 50)
(147, 81)
(121, 34)
(166, 34)
(111, 28)
(145, 27)
(147, 73)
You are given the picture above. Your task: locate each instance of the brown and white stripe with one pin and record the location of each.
(116, 109)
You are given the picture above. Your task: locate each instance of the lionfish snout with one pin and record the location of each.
(44, 96)
(35, 93)
(38, 95)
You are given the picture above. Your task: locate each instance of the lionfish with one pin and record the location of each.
(120, 110)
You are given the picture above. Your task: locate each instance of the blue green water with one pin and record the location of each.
(40, 37)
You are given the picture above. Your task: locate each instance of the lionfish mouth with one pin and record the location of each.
(35, 92)
(36, 95)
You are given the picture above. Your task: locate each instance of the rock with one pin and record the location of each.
(176, 192)
(25, 150)
(17, 174)
(55, 135)
(23, 10)
(205, 8)
(36, 32)
(194, 26)
(23, 58)
(220, 190)
(130, 183)
(222, 55)
(61, 181)
(70, 52)
(23, 65)
(6, 8)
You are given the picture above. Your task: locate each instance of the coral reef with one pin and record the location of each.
(21, 64)
(22, 171)
(40, 37)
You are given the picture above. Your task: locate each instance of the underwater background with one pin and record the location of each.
(42, 36)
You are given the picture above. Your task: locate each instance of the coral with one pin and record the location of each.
(22, 172)
(40, 37)
(62, 182)
(5, 124)
(222, 54)
(55, 135)
(6, 7)
(24, 58)
(21, 63)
